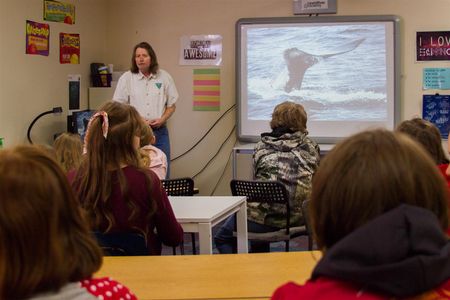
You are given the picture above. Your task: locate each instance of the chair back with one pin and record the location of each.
(122, 243)
(306, 217)
(179, 186)
(269, 192)
(262, 192)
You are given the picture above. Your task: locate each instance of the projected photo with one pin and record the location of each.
(336, 71)
(81, 121)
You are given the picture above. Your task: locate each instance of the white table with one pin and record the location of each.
(201, 213)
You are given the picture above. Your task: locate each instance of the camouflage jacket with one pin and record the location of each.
(292, 159)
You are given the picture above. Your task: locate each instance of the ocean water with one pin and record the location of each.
(348, 82)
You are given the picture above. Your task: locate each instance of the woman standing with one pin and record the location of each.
(151, 91)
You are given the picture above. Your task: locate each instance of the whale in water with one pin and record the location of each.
(298, 62)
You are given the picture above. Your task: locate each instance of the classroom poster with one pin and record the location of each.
(206, 90)
(436, 78)
(432, 45)
(436, 109)
(69, 48)
(201, 50)
(37, 38)
(56, 11)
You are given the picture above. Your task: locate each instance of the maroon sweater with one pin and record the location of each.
(162, 227)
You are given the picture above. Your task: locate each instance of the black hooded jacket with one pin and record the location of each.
(401, 253)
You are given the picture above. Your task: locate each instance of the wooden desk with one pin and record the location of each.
(201, 213)
(232, 276)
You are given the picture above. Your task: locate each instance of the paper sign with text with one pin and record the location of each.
(59, 12)
(201, 50)
(433, 45)
(69, 48)
(436, 78)
(37, 38)
(436, 109)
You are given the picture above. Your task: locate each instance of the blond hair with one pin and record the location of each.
(146, 136)
(289, 115)
(69, 149)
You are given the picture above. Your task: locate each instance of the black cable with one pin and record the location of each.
(55, 110)
(201, 139)
(214, 156)
(223, 171)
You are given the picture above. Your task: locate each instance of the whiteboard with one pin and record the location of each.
(344, 70)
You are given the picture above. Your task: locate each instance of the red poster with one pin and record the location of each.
(37, 38)
(69, 48)
(433, 45)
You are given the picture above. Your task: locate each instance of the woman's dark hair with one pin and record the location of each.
(367, 175)
(45, 242)
(154, 66)
(428, 135)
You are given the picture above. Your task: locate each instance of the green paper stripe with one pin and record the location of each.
(206, 71)
(206, 108)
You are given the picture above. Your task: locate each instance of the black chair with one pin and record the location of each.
(180, 187)
(122, 243)
(305, 212)
(268, 192)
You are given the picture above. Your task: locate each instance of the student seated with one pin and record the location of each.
(288, 155)
(69, 150)
(118, 193)
(378, 212)
(152, 157)
(428, 135)
(46, 249)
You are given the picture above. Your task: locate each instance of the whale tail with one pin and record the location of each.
(347, 48)
(298, 62)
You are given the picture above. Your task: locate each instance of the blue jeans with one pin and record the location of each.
(163, 143)
(226, 243)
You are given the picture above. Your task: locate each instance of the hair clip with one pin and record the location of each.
(105, 123)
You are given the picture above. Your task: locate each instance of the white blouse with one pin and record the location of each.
(149, 95)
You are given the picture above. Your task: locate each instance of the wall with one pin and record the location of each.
(416, 15)
(39, 83)
(32, 84)
(163, 22)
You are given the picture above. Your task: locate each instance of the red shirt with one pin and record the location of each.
(106, 288)
(443, 169)
(327, 288)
